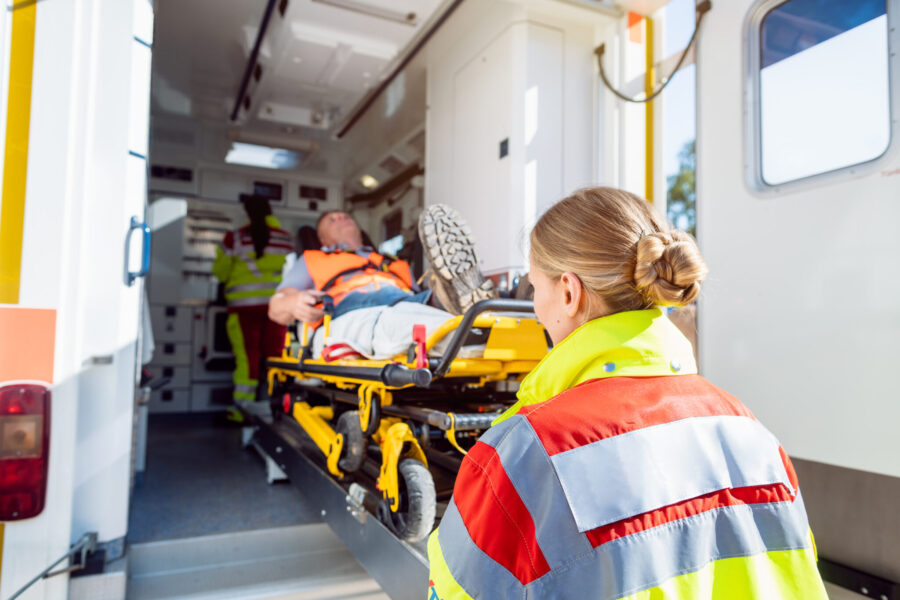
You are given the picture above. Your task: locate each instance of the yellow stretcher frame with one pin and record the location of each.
(514, 347)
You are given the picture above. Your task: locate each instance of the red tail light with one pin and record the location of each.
(24, 445)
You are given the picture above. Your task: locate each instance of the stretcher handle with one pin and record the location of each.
(396, 375)
(470, 421)
(442, 365)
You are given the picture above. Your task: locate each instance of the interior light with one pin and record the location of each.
(368, 182)
(262, 156)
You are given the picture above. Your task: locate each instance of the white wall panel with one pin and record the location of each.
(520, 71)
(799, 317)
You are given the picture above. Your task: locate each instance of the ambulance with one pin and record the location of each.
(132, 128)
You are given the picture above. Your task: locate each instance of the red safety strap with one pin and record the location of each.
(419, 339)
(338, 351)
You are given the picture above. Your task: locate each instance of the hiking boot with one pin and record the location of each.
(450, 252)
(442, 295)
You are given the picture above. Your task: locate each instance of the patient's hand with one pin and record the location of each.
(305, 306)
(290, 304)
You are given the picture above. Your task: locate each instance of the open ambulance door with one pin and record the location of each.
(798, 175)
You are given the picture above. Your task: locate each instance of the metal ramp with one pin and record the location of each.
(299, 562)
(401, 569)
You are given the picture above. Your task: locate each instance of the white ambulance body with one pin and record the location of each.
(125, 121)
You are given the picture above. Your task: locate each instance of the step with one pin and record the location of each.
(302, 561)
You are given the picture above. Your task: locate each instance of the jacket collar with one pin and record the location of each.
(638, 343)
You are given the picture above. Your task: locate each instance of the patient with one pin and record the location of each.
(350, 275)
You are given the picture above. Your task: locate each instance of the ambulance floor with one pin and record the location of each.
(200, 481)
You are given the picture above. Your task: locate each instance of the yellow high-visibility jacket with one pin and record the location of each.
(621, 473)
(251, 280)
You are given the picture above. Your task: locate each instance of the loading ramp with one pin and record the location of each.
(400, 568)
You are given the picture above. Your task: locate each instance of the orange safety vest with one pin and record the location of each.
(344, 271)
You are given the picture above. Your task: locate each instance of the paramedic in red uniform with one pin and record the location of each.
(620, 472)
(249, 263)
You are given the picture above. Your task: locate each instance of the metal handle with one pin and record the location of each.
(145, 258)
(83, 547)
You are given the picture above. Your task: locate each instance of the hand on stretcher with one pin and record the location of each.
(309, 306)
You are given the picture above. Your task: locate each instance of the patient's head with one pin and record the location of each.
(337, 227)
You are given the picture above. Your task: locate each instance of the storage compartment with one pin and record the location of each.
(171, 353)
(171, 323)
(170, 401)
(209, 397)
(212, 348)
(179, 377)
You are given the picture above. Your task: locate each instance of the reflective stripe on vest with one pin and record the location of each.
(662, 476)
(633, 563)
(253, 280)
(252, 287)
(248, 301)
(339, 273)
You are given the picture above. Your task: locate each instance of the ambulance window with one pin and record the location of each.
(823, 87)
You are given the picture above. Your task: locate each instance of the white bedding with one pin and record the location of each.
(381, 332)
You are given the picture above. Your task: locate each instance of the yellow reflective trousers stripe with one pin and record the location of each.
(778, 575)
(241, 375)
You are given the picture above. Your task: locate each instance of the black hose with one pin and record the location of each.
(702, 9)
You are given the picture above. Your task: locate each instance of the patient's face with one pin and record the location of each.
(339, 227)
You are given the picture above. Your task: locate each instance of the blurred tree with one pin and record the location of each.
(681, 196)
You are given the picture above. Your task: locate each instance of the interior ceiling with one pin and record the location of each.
(318, 61)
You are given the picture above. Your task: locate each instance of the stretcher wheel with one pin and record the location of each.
(354, 451)
(415, 518)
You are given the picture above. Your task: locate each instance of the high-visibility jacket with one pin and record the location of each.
(251, 280)
(621, 473)
(344, 271)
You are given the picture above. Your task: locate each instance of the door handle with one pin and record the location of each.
(131, 276)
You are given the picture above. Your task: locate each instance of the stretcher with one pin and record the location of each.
(403, 424)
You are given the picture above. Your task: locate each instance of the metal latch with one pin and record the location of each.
(356, 501)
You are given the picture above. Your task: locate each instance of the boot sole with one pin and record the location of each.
(450, 251)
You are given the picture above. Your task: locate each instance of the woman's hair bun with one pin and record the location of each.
(669, 268)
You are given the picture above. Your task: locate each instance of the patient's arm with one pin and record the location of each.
(290, 304)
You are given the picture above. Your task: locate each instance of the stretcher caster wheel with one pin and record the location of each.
(354, 451)
(415, 518)
(276, 404)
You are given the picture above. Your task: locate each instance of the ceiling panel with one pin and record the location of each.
(358, 74)
(305, 60)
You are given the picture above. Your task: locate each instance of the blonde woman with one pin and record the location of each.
(620, 472)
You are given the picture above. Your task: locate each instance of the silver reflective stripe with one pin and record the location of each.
(251, 301)
(474, 570)
(278, 236)
(252, 287)
(494, 435)
(645, 560)
(244, 392)
(656, 466)
(251, 266)
(528, 467)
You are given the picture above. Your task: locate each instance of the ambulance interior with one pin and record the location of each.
(379, 108)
